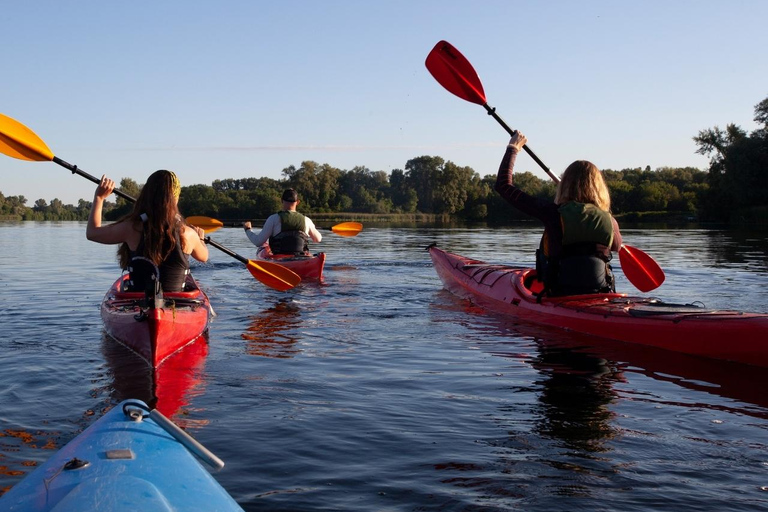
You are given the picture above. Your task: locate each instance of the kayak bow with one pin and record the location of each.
(127, 460)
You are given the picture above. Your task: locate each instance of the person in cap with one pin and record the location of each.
(287, 231)
(153, 232)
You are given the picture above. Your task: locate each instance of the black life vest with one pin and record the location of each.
(173, 270)
(292, 238)
(582, 265)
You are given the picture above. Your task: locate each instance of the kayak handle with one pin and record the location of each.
(188, 441)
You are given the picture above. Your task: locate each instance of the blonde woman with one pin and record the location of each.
(153, 231)
(579, 231)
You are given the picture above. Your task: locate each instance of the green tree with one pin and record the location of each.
(737, 170)
(421, 174)
(316, 185)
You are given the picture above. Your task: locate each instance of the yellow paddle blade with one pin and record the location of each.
(347, 228)
(18, 141)
(208, 224)
(273, 275)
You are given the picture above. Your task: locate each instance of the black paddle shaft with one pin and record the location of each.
(226, 251)
(492, 112)
(76, 170)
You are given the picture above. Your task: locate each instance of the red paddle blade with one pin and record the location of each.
(454, 72)
(641, 270)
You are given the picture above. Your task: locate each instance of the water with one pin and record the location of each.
(378, 390)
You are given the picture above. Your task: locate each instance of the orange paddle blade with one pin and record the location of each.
(207, 223)
(347, 228)
(641, 270)
(273, 275)
(18, 141)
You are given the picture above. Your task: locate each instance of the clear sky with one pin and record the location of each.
(232, 89)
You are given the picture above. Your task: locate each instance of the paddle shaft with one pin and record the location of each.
(492, 112)
(226, 251)
(78, 171)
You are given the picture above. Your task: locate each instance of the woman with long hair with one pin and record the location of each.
(579, 231)
(153, 231)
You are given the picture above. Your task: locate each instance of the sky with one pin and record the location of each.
(234, 89)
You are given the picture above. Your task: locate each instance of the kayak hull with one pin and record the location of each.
(307, 267)
(155, 333)
(131, 465)
(718, 334)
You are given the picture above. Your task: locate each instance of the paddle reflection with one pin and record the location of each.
(168, 388)
(273, 332)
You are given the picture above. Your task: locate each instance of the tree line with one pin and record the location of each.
(732, 189)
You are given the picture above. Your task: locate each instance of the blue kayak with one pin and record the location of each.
(130, 459)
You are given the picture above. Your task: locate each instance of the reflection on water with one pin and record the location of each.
(168, 388)
(574, 362)
(576, 390)
(571, 426)
(747, 249)
(273, 332)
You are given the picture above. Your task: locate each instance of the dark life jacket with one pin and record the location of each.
(292, 238)
(582, 263)
(173, 270)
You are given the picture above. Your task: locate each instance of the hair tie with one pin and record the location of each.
(176, 185)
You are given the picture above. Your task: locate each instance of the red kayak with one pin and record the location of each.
(154, 332)
(719, 334)
(309, 266)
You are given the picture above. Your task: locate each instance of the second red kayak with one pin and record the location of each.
(155, 331)
(309, 266)
(719, 334)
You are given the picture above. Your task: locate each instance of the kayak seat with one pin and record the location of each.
(190, 291)
(533, 283)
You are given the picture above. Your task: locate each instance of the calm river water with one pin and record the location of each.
(377, 390)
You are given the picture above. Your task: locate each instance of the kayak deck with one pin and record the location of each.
(118, 464)
(155, 333)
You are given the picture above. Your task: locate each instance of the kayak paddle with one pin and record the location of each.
(208, 224)
(271, 274)
(641, 270)
(348, 229)
(18, 141)
(454, 72)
